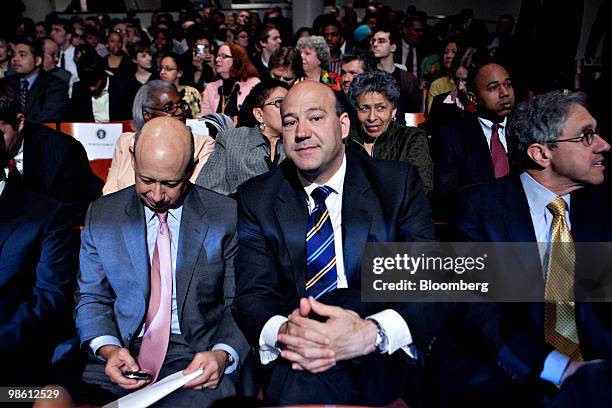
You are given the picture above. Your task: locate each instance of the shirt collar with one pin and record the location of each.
(489, 125)
(538, 196)
(175, 213)
(2, 184)
(31, 79)
(336, 182)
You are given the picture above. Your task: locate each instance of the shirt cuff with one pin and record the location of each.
(100, 341)
(554, 367)
(268, 345)
(228, 349)
(396, 329)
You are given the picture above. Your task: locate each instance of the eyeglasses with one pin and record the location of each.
(277, 103)
(224, 56)
(587, 136)
(167, 68)
(170, 109)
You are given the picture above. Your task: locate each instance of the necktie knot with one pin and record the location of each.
(163, 217)
(496, 127)
(24, 84)
(557, 207)
(319, 194)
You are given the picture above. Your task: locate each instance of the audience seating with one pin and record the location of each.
(100, 167)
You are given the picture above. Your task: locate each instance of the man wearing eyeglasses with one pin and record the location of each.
(553, 199)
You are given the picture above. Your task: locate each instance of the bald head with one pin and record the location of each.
(163, 162)
(323, 91)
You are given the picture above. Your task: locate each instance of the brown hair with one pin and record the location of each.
(242, 67)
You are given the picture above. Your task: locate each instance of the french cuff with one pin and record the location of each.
(268, 345)
(100, 341)
(228, 349)
(554, 367)
(396, 329)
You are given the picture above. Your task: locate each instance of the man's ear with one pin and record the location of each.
(345, 125)
(20, 121)
(539, 154)
(133, 158)
(38, 61)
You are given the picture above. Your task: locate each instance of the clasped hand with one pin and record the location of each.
(317, 346)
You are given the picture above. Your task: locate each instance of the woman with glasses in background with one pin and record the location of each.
(237, 76)
(253, 149)
(153, 99)
(171, 70)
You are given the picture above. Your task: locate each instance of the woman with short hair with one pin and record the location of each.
(375, 96)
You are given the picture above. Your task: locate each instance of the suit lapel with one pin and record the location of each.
(482, 153)
(519, 229)
(34, 91)
(194, 227)
(355, 216)
(135, 236)
(9, 202)
(292, 214)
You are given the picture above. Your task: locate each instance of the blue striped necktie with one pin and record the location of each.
(321, 275)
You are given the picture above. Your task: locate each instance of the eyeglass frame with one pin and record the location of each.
(588, 135)
(276, 103)
(181, 104)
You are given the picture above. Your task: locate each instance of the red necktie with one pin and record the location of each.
(498, 153)
(157, 327)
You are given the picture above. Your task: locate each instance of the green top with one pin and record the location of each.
(403, 143)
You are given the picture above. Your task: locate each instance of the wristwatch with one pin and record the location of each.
(381, 337)
(229, 359)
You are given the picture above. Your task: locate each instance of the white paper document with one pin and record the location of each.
(154, 392)
(197, 126)
(98, 138)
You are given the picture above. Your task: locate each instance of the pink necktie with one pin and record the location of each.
(157, 327)
(498, 153)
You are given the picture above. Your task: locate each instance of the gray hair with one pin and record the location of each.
(318, 44)
(375, 81)
(144, 97)
(540, 120)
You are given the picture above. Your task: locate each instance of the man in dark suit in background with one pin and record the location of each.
(554, 142)
(38, 264)
(43, 96)
(98, 96)
(301, 233)
(47, 162)
(473, 150)
(157, 282)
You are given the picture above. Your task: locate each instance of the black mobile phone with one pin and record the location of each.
(137, 375)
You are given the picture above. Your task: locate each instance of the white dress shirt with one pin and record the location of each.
(395, 327)
(69, 65)
(174, 224)
(538, 197)
(487, 128)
